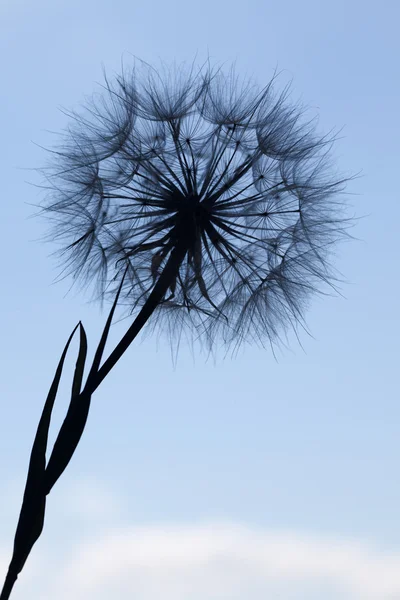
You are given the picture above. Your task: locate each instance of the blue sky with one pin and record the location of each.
(244, 478)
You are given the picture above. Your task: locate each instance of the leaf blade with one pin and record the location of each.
(31, 517)
(74, 422)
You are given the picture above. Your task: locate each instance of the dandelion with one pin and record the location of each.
(214, 197)
(204, 204)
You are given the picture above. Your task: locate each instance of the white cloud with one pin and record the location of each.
(214, 561)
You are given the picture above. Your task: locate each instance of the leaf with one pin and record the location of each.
(74, 423)
(100, 348)
(31, 518)
(41, 479)
(80, 363)
(75, 420)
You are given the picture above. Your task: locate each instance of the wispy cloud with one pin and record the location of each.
(219, 561)
(213, 562)
(209, 561)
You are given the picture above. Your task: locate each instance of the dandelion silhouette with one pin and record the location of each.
(206, 205)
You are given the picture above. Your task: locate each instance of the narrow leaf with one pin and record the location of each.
(75, 420)
(103, 340)
(31, 518)
(80, 363)
(74, 423)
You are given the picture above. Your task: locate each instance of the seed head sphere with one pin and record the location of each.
(194, 168)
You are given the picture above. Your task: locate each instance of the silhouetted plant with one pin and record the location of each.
(207, 204)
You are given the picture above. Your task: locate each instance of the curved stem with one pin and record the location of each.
(11, 578)
(157, 294)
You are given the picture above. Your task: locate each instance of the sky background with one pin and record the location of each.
(241, 478)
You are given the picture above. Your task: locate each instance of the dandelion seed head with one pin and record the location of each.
(198, 159)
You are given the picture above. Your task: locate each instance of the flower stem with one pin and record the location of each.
(11, 578)
(157, 294)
